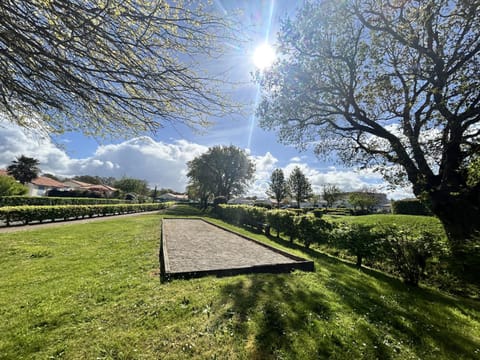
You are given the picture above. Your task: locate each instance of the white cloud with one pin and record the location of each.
(164, 164)
(159, 163)
(345, 179)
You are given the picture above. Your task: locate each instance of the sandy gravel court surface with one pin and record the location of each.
(193, 247)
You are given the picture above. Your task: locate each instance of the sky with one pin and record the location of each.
(161, 159)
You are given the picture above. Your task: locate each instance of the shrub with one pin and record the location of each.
(53, 201)
(9, 186)
(219, 200)
(410, 207)
(274, 219)
(287, 224)
(408, 252)
(310, 229)
(360, 240)
(318, 213)
(27, 214)
(242, 214)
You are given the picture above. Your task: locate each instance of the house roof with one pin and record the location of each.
(3, 172)
(169, 196)
(46, 181)
(99, 188)
(79, 183)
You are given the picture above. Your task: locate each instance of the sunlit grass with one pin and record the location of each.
(427, 223)
(92, 291)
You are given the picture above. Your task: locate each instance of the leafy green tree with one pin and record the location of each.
(299, 186)
(221, 171)
(278, 187)
(199, 191)
(89, 179)
(331, 193)
(108, 66)
(132, 186)
(365, 200)
(10, 187)
(24, 169)
(386, 84)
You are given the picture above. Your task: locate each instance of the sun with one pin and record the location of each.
(264, 56)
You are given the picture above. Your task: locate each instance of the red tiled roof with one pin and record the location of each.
(45, 181)
(3, 172)
(79, 183)
(99, 188)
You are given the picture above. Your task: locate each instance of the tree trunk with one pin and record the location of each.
(359, 261)
(460, 216)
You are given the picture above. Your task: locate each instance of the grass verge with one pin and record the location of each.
(93, 291)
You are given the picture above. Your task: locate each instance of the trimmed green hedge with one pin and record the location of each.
(27, 214)
(410, 207)
(242, 214)
(54, 201)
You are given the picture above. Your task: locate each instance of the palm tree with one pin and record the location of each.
(24, 169)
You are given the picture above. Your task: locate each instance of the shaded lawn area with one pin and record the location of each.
(93, 291)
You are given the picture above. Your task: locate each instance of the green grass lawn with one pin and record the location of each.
(92, 291)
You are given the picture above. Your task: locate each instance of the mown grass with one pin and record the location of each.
(92, 291)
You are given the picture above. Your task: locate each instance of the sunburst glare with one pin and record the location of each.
(264, 56)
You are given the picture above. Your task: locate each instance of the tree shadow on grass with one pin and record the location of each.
(342, 311)
(268, 310)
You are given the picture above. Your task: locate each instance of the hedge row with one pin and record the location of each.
(54, 201)
(398, 250)
(410, 207)
(27, 214)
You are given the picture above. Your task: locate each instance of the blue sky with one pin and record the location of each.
(161, 159)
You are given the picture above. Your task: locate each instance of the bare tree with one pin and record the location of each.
(105, 67)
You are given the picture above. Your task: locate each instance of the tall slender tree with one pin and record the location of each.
(299, 186)
(278, 187)
(24, 169)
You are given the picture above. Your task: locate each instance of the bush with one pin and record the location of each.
(318, 213)
(360, 240)
(27, 214)
(219, 200)
(274, 219)
(242, 214)
(75, 193)
(9, 186)
(408, 252)
(410, 207)
(54, 201)
(311, 230)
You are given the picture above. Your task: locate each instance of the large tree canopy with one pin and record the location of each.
(390, 84)
(221, 171)
(107, 66)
